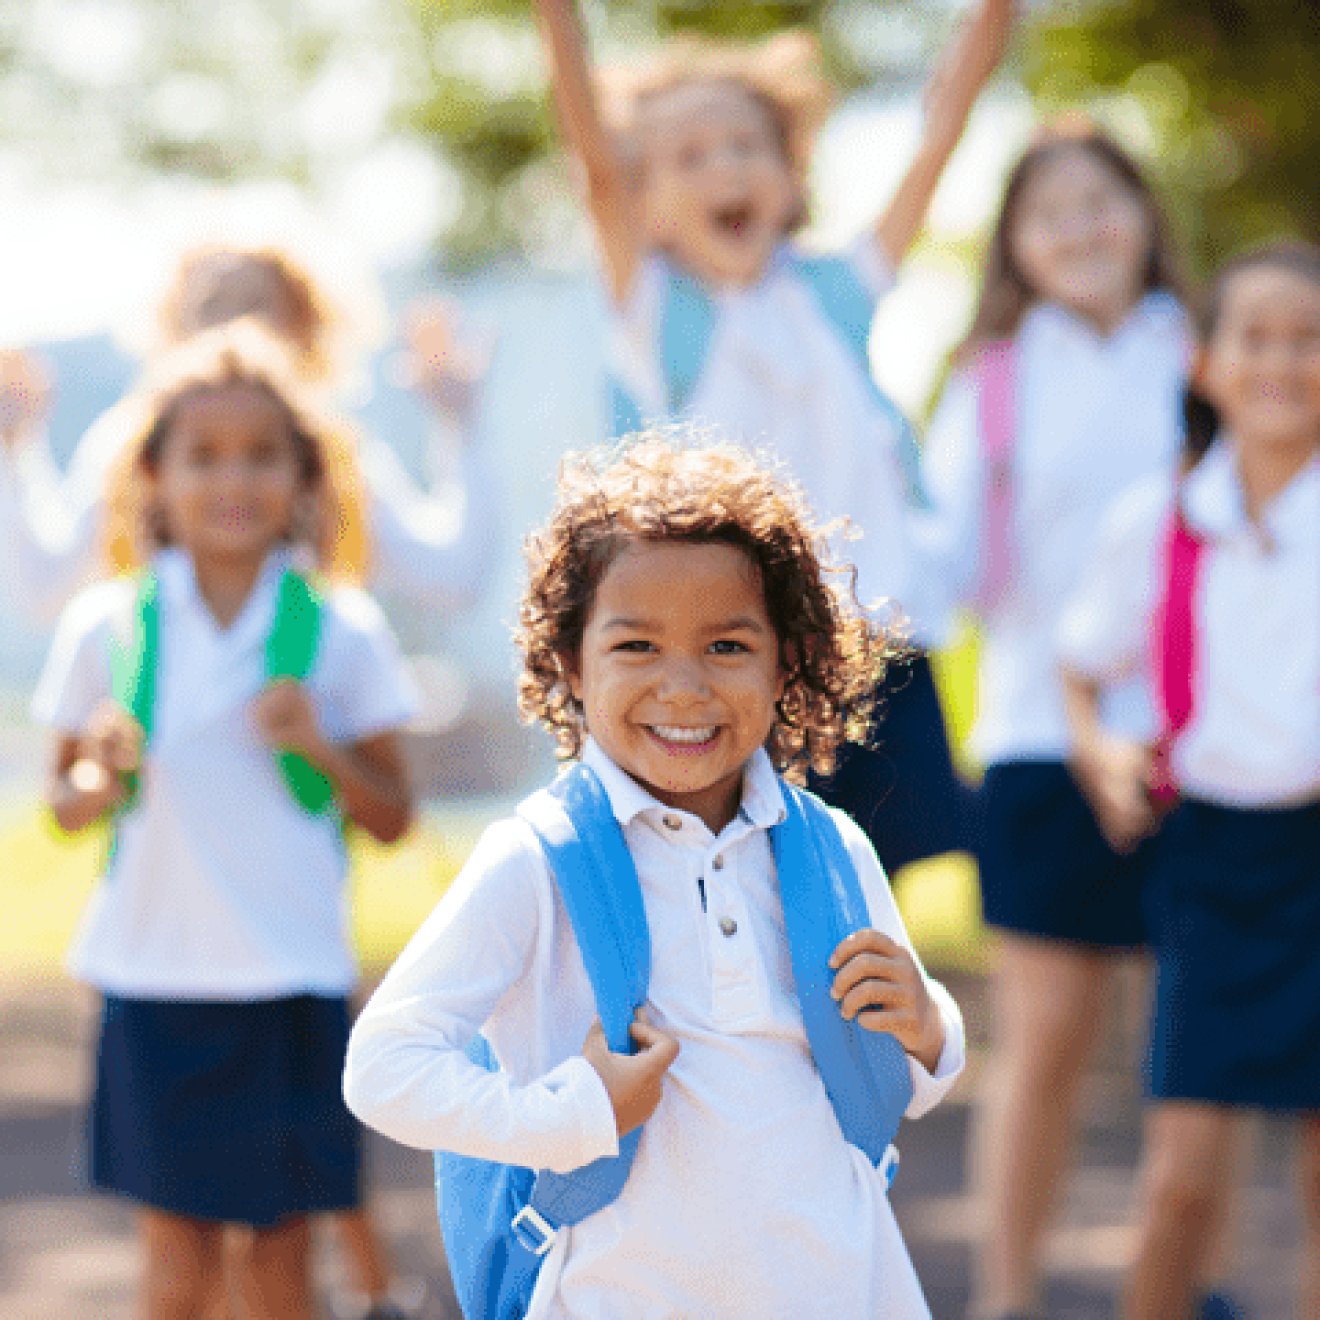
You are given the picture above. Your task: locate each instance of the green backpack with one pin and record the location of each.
(290, 653)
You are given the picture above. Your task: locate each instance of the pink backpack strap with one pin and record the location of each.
(996, 379)
(1175, 642)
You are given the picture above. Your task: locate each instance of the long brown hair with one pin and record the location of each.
(1005, 293)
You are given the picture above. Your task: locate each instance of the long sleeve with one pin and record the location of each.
(438, 545)
(407, 1074)
(49, 530)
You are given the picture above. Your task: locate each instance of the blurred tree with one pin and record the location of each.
(1219, 95)
(478, 90)
(226, 90)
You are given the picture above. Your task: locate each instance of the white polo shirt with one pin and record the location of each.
(221, 886)
(743, 1200)
(1254, 736)
(779, 378)
(1094, 414)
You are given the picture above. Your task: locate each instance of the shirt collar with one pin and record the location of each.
(762, 799)
(1157, 315)
(1216, 505)
(178, 584)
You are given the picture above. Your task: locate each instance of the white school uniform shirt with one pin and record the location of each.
(743, 1199)
(779, 378)
(221, 886)
(1093, 415)
(440, 545)
(1254, 736)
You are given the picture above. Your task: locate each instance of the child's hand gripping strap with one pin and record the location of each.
(996, 380)
(290, 653)
(866, 1073)
(1175, 645)
(500, 1220)
(133, 672)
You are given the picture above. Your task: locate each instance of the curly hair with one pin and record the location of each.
(781, 73)
(674, 485)
(239, 352)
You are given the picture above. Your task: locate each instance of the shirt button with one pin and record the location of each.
(728, 926)
(673, 823)
(717, 863)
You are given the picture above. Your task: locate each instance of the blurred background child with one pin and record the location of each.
(218, 936)
(696, 182)
(438, 545)
(1065, 390)
(1215, 576)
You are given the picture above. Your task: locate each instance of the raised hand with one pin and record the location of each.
(634, 1081)
(26, 390)
(879, 979)
(445, 363)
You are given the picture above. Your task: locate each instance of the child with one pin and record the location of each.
(417, 543)
(695, 194)
(1225, 559)
(219, 936)
(678, 635)
(1065, 391)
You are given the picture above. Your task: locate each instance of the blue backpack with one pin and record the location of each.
(500, 1220)
(687, 327)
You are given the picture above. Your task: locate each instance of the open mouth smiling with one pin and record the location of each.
(733, 221)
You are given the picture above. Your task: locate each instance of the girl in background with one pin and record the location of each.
(218, 936)
(439, 547)
(1218, 576)
(696, 184)
(1065, 391)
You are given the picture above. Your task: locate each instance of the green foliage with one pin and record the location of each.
(1222, 91)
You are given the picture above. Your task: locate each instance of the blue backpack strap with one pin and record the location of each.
(866, 1073)
(499, 1220)
(850, 307)
(687, 326)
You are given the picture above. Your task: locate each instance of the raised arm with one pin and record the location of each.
(610, 198)
(961, 74)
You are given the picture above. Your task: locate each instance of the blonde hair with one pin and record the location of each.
(242, 352)
(320, 328)
(782, 73)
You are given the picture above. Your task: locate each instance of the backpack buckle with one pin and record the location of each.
(888, 1165)
(528, 1222)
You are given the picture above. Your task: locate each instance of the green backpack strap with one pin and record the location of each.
(290, 653)
(133, 670)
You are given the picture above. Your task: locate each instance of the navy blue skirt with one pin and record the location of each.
(1046, 870)
(228, 1111)
(1235, 908)
(901, 786)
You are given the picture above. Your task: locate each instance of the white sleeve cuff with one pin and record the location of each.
(872, 265)
(598, 1135)
(929, 1088)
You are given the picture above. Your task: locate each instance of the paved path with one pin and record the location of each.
(65, 1254)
